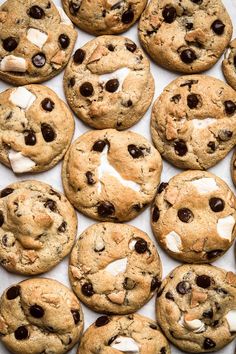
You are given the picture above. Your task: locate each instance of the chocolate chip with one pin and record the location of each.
(39, 60)
(127, 16)
(218, 27)
(192, 101)
(89, 176)
(30, 137)
(235, 61)
(163, 350)
(175, 98)
(127, 104)
(230, 107)
(86, 89)
(199, 2)
(183, 287)
(162, 187)
(9, 44)
(105, 209)
(47, 104)
(112, 85)
(87, 289)
(155, 284)
(71, 82)
(185, 215)
(76, 316)
(203, 281)
(100, 145)
(48, 132)
(111, 47)
(5, 192)
(64, 41)
(36, 12)
(131, 47)
(214, 254)
(129, 284)
(169, 296)
(208, 344)
(13, 292)
(212, 146)
(189, 26)
(79, 56)
(1, 218)
(102, 321)
(62, 227)
(208, 313)
(169, 14)
(188, 56)
(51, 205)
(180, 148)
(216, 204)
(21, 333)
(36, 311)
(141, 246)
(153, 326)
(225, 135)
(155, 214)
(74, 8)
(117, 5)
(135, 151)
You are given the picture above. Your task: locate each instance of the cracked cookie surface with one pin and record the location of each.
(229, 64)
(114, 268)
(124, 334)
(104, 16)
(193, 217)
(110, 175)
(108, 83)
(193, 121)
(36, 128)
(38, 227)
(196, 308)
(187, 36)
(37, 39)
(40, 316)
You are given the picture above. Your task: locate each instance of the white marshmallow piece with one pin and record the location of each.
(225, 227)
(132, 244)
(205, 185)
(116, 267)
(231, 319)
(196, 326)
(13, 63)
(106, 169)
(119, 74)
(64, 18)
(21, 97)
(173, 242)
(20, 163)
(37, 37)
(203, 123)
(125, 345)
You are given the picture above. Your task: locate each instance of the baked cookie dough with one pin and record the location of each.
(193, 121)
(36, 128)
(108, 83)
(38, 227)
(124, 334)
(188, 35)
(114, 268)
(196, 308)
(229, 64)
(104, 16)
(233, 167)
(110, 175)
(37, 39)
(193, 217)
(40, 316)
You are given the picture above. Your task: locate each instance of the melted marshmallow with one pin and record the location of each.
(173, 242)
(203, 123)
(225, 227)
(125, 345)
(21, 97)
(13, 63)
(116, 267)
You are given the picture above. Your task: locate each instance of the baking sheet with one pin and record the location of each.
(53, 177)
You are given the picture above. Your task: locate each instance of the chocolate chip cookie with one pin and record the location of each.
(36, 128)
(108, 83)
(40, 316)
(104, 16)
(194, 121)
(233, 167)
(124, 334)
(37, 39)
(187, 36)
(196, 308)
(229, 64)
(114, 268)
(193, 217)
(110, 175)
(37, 227)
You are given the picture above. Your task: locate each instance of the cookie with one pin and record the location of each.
(193, 217)
(233, 167)
(187, 36)
(229, 64)
(40, 316)
(108, 83)
(114, 268)
(124, 334)
(37, 40)
(38, 227)
(110, 175)
(196, 308)
(36, 128)
(104, 16)
(193, 121)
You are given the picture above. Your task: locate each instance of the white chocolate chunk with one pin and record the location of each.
(13, 63)
(225, 227)
(125, 345)
(116, 267)
(119, 74)
(37, 37)
(132, 244)
(64, 18)
(203, 123)
(21, 97)
(173, 242)
(106, 169)
(20, 163)
(205, 185)
(231, 319)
